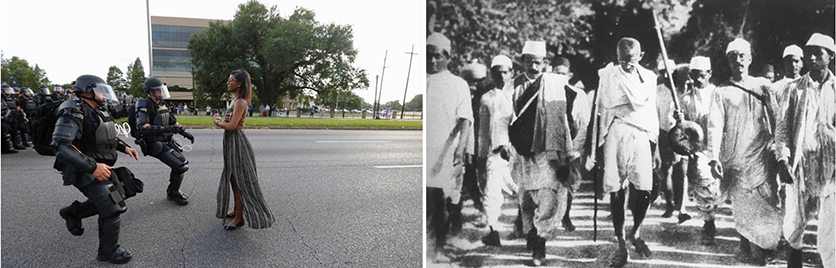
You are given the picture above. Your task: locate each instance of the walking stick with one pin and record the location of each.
(594, 171)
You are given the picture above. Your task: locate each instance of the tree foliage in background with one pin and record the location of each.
(27, 76)
(394, 104)
(135, 78)
(116, 79)
(417, 103)
(285, 56)
(586, 32)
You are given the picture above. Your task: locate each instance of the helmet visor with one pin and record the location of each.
(8, 90)
(104, 91)
(58, 89)
(164, 94)
(45, 90)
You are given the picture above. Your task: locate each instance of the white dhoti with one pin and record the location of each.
(827, 230)
(627, 158)
(756, 215)
(497, 179)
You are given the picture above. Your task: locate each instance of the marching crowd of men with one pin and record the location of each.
(767, 147)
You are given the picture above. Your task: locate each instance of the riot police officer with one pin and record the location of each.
(28, 110)
(156, 126)
(7, 120)
(44, 95)
(13, 117)
(86, 142)
(58, 94)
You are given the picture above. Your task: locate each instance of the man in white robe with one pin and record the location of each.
(628, 124)
(806, 144)
(740, 149)
(449, 117)
(494, 148)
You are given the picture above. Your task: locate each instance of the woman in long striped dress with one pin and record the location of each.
(239, 162)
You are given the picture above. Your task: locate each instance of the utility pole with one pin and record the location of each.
(403, 105)
(150, 59)
(380, 92)
(374, 98)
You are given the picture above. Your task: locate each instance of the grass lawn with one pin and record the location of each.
(283, 122)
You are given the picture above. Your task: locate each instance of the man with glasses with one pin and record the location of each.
(740, 150)
(541, 137)
(628, 125)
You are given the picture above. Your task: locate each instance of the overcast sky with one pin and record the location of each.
(71, 38)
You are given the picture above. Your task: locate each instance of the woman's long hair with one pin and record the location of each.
(245, 86)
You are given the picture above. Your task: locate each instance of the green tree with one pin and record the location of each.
(284, 56)
(136, 77)
(116, 79)
(395, 104)
(27, 76)
(417, 103)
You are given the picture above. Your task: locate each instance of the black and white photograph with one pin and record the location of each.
(630, 133)
(186, 133)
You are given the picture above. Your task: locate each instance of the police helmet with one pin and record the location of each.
(44, 89)
(95, 84)
(152, 84)
(7, 89)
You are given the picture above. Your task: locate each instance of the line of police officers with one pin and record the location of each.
(85, 140)
(19, 111)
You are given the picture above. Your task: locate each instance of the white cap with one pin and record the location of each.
(792, 50)
(671, 65)
(822, 41)
(474, 71)
(440, 41)
(739, 45)
(700, 63)
(536, 48)
(501, 60)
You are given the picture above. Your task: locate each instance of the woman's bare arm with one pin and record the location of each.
(238, 109)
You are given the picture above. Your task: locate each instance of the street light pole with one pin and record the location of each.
(403, 105)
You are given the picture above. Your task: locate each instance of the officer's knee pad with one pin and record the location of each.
(182, 168)
(109, 204)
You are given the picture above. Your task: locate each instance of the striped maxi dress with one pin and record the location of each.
(239, 162)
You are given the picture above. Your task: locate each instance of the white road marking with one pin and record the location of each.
(407, 166)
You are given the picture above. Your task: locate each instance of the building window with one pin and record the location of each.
(172, 63)
(172, 36)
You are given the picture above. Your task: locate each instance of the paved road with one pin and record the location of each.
(673, 245)
(336, 205)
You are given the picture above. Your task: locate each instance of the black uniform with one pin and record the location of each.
(156, 140)
(29, 107)
(6, 124)
(83, 137)
(14, 119)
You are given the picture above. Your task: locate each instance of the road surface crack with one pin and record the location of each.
(213, 149)
(301, 239)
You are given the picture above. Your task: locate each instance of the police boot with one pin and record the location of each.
(173, 192)
(18, 142)
(109, 249)
(26, 140)
(74, 213)
(7, 146)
